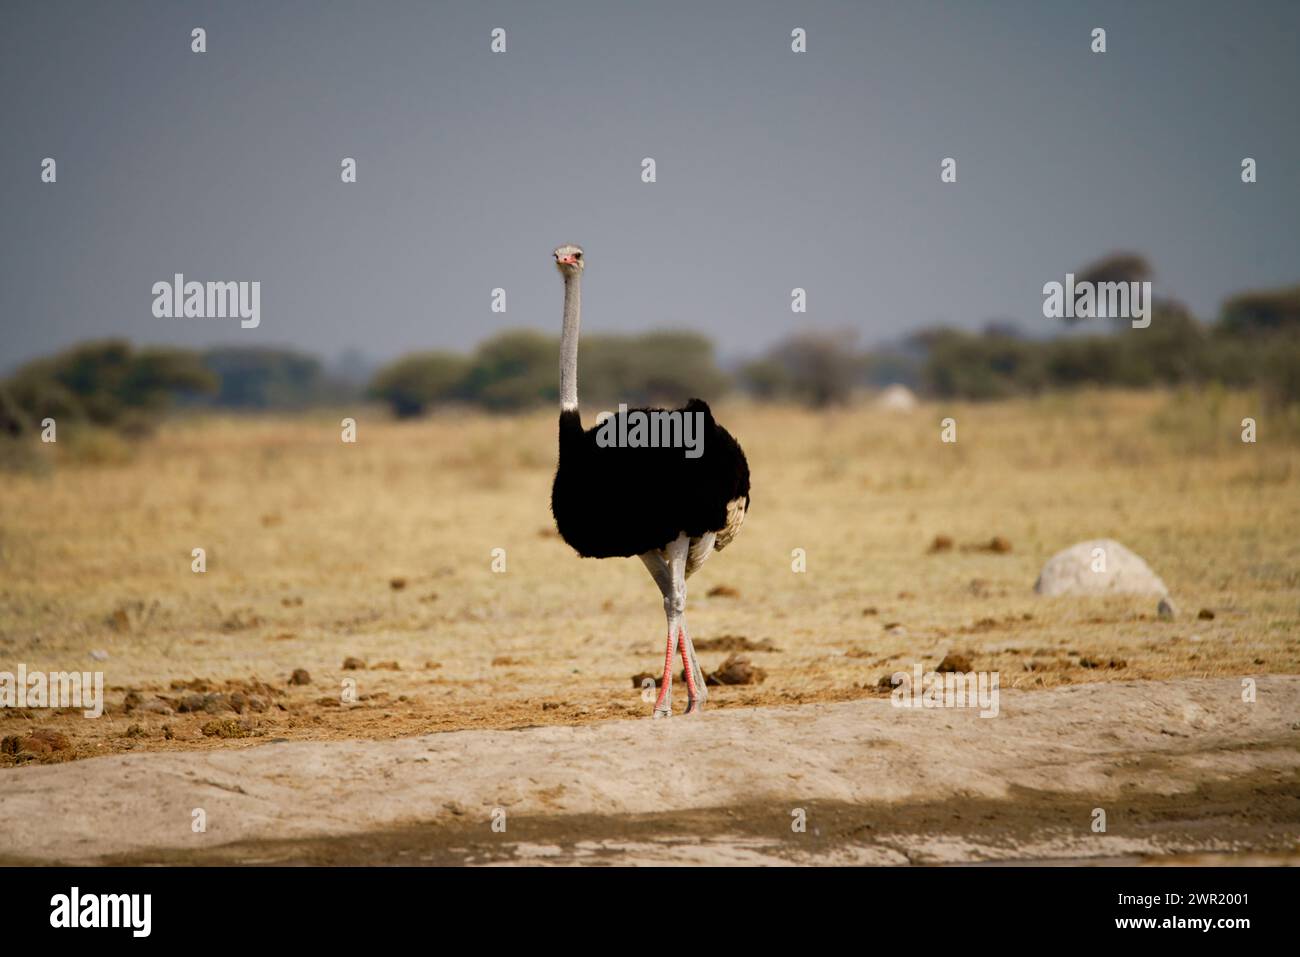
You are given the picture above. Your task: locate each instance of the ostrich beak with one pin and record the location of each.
(565, 260)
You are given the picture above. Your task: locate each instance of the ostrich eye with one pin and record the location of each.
(577, 255)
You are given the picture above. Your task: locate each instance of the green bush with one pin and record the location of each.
(420, 381)
(106, 383)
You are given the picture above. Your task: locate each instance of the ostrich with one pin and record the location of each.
(670, 510)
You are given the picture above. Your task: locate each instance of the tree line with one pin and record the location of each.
(1254, 343)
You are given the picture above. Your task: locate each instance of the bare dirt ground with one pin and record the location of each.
(1178, 767)
(383, 551)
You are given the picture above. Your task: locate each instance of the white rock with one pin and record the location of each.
(1099, 567)
(897, 398)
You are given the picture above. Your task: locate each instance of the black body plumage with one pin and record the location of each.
(622, 501)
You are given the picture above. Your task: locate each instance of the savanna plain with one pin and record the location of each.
(411, 583)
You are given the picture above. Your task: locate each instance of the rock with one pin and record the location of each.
(212, 703)
(243, 703)
(723, 591)
(738, 670)
(1118, 571)
(41, 741)
(397, 584)
(300, 676)
(155, 706)
(217, 703)
(896, 398)
(941, 543)
(1205, 614)
(387, 666)
(955, 663)
(1115, 663)
(1166, 609)
(353, 664)
(99, 655)
(997, 545)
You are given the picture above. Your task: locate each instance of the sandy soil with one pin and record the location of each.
(319, 551)
(1180, 768)
(384, 551)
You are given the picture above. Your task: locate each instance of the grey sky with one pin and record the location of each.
(775, 169)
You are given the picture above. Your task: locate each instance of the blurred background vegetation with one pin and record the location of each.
(1253, 343)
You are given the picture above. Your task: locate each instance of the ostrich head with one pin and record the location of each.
(568, 259)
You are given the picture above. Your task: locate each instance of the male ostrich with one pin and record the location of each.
(669, 510)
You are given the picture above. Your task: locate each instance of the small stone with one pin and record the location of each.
(217, 703)
(1205, 614)
(353, 664)
(1166, 609)
(738, 670)
(300, 676)
(941, 543)
(955, 663)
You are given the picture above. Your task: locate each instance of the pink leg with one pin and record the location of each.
(664, 703)
(689, 671)
(694, 677)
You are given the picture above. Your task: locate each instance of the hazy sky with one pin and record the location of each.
(775, 169)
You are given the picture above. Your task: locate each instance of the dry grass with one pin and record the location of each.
(305, 536)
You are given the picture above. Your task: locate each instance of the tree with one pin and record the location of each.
(1262, 313)
(416, 382)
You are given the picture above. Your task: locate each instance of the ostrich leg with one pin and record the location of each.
(701, 549)
(669, 571)
(661, 571)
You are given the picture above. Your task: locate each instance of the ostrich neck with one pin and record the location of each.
(569, 342)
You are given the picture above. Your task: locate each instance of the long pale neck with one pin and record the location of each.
(569, 342)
